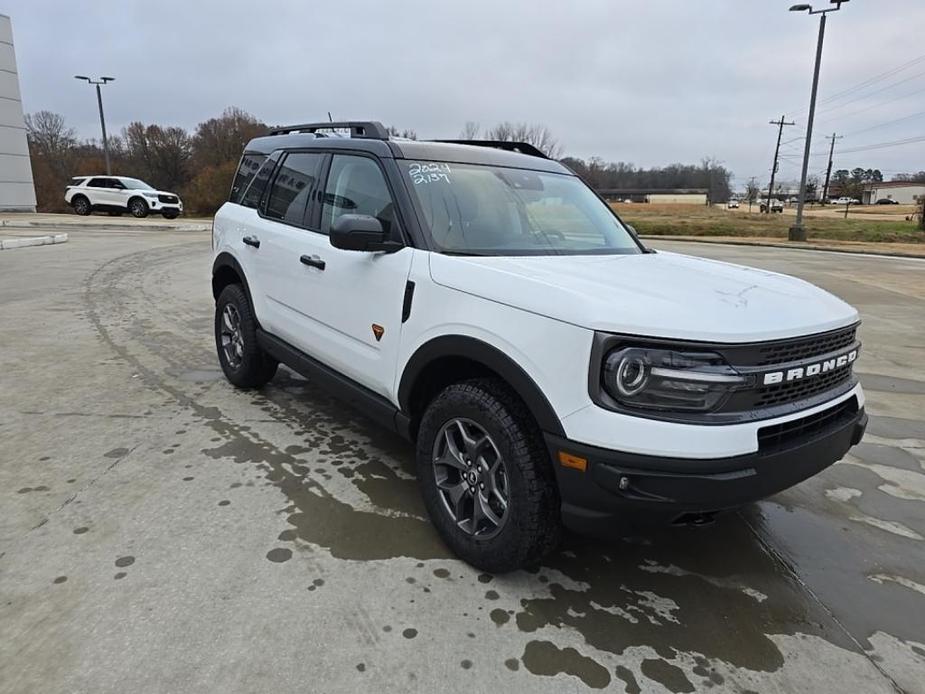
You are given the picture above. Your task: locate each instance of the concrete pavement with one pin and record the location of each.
(162, 531)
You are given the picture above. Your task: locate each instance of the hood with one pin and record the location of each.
(653, 294)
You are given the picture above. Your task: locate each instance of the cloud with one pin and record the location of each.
(650, 83)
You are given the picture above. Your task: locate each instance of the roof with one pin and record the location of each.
(894, 184)
(368, 137)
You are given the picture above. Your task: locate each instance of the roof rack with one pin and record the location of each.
(520, 147)
(369, 130)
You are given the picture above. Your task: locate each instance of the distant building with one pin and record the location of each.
(17, 191)
(681, 196)
(902, 192)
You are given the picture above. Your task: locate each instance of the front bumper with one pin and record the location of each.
(613, 482)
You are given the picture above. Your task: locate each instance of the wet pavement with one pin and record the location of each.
(161, 531)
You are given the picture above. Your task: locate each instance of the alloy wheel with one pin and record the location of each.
(471, 478)
(231, 336)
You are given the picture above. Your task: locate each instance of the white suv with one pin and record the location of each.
(118, 194)
(482, 301)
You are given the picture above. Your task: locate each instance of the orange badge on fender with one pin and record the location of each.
(378, 331)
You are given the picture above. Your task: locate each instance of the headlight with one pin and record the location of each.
(663, 379)
(150, 195)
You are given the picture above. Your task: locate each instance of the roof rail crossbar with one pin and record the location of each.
(521, 147)
(369, 130)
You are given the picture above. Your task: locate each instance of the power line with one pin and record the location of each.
(868, 108)
(870, 81)
(889, 122)
(878, 91)
(885, 145)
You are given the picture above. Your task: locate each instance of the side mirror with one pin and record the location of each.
(360, 232)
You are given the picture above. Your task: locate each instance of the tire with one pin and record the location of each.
(138, 208)
(529, 527)
(241, 359)
(170, 214)
(81, 205)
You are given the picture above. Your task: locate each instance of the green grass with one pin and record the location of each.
(683, 220)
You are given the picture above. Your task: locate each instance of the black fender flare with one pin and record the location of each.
(490, 357)
(226, 260)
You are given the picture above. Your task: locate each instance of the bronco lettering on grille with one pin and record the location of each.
(801, 372)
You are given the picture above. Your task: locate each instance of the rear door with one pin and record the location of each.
(99, 190)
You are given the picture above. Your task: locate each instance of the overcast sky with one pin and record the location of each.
(649, 81)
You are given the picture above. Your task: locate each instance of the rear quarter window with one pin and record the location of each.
(78, 180)
(247, 169)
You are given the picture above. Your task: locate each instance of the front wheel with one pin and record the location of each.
(485, 477)
(138, 208)
(241, 359)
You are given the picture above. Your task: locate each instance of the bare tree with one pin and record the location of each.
(752, 191)
(470, 131)
(219, 140)
(407, 133)
(50, 138)
(535, 134)
(157, 154)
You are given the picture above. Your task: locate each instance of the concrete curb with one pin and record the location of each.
(24, 242)
(728, 241)
(77, 225)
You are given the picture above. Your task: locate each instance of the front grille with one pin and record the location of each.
(803, 348)
(780, 393)
(169, 199)
(796, 430)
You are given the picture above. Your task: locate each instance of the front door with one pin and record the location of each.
(341, 307)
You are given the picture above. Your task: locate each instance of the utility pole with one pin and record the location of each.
(780, 131)
(828, 172)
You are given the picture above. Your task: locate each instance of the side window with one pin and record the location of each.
(116, 184)
(98, 183)
(254, 192)
(356, 185)
(77, 180)
(247, 169)
(293, 186)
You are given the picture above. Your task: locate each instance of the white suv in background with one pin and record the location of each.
(118, 194)
(479, 299)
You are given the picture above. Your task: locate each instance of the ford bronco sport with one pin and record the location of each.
(482, 301)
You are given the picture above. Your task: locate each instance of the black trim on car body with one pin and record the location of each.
(226, 260)
(488, 356)
(614, 482)
(373, 405)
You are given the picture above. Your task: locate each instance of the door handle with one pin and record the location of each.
(313, 261)
(251, 241)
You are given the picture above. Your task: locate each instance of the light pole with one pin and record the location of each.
(798, 231)
(99, 101)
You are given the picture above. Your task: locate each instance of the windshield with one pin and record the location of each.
(135, 184)
(491, 210)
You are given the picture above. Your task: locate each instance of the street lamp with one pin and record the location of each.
(99, 100)
(798, 231)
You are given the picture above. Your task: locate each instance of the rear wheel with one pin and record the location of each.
(241, 359)
(485, 477)
(81, 205)
(138, 207)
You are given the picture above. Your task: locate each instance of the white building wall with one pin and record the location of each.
(904, 195)
(17, 190)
